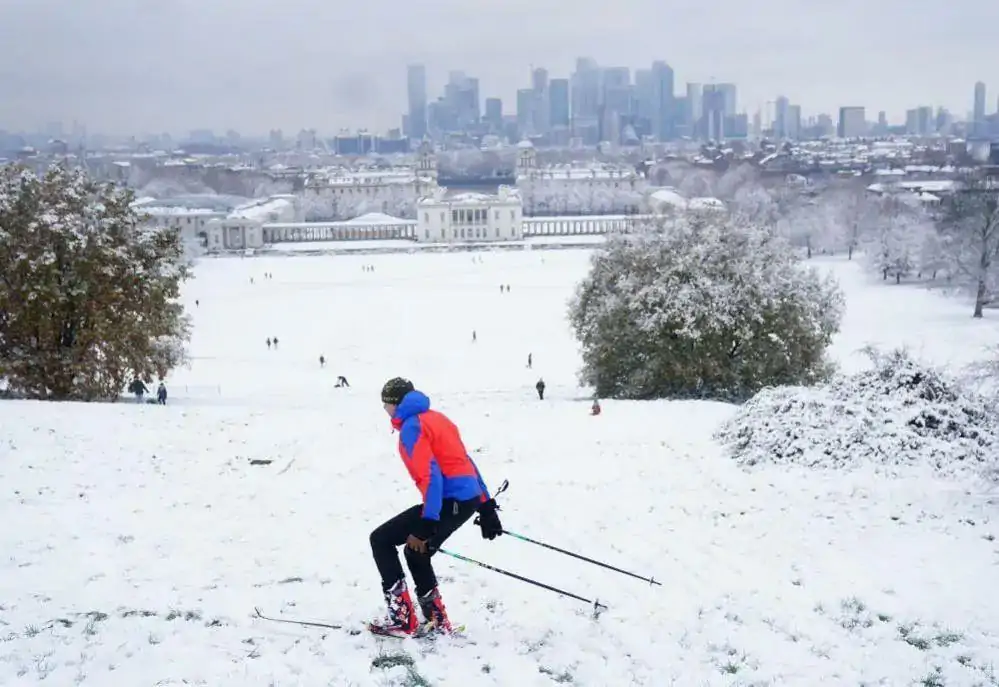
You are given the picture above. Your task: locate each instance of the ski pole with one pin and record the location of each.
(521, 537)
(597, 606)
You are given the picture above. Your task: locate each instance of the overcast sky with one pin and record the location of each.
(133, 66)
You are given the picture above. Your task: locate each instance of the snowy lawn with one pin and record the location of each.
(138, 539)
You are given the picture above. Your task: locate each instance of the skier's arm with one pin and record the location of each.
(482, 484)
(425, 466)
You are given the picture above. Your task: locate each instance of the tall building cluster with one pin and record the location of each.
(593, 104)
(620, 105)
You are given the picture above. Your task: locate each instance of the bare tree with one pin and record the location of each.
(858, 216)
(970, 224)
(895, 247)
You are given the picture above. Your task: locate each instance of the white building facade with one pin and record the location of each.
(343, 194)
(243, 227)
(573, 189)
(470, 217)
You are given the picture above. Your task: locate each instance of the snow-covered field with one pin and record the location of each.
(138, 539)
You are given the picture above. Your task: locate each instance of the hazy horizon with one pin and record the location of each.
(136, 66)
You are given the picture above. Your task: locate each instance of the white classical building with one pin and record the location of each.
(595, 188)
(342, 194)
(470, 217)
(243, 227)
(190, 223)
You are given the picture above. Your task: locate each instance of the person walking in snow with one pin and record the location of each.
(453, 491)
(275, 343)
(138, 388)
(530, 361)
(268, 343)
(161, 394)
(540, 386)
(322, 361)
(475, 336)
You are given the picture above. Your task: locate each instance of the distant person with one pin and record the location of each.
(275, 343)
(530, 361)
(540, 386)
(475, 337)
(161, 394)
(341, 382)
(138, 388)
(595, 408)
(197, 303)
(268, 343)
(322, 361)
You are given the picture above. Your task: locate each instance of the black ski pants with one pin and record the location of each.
(392, 533)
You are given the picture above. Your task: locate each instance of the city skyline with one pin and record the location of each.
(124, 68)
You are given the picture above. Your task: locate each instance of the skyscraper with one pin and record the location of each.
(662, 100)
(416, 81)
(558, 99)
(979, 111)
(494, 114)
(542, 109)
(852, 122)
(780, 117)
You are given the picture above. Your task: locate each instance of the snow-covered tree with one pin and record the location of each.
(858, 214)
(970, 223)
(736, 179)
(896, 246)
(88, 291)
(705, 306)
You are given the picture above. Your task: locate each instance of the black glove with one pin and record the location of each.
(489, 521)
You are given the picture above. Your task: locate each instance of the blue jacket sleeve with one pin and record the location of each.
(482, 483)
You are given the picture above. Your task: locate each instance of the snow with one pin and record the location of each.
(139, 538)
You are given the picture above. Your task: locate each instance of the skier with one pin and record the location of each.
(275, 343)
(540, 386)
(341, 381)
(453, 490)
(161, 394)
(268, 343)
(322, 361)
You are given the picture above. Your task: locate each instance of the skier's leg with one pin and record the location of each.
(454, 514)
(387, 538)
(401, 617)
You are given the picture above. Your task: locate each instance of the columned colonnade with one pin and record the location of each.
(337, 231)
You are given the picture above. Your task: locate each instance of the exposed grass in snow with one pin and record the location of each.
(138, 538)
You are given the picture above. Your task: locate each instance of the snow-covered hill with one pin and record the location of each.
(138, 538)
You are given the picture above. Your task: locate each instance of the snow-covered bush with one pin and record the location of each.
(900, 412)
(702, 306)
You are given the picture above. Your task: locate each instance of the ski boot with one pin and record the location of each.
(434, 614)
(400, 621)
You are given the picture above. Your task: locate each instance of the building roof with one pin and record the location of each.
(261, 210)
(375, 218)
